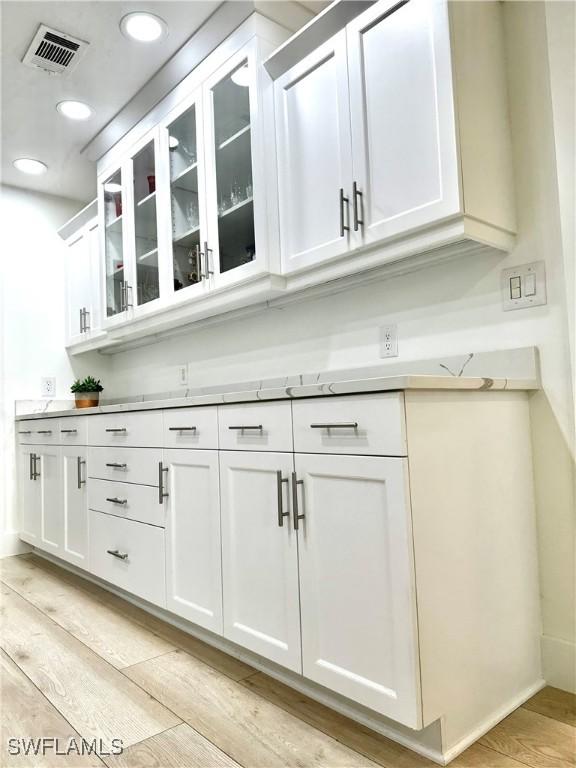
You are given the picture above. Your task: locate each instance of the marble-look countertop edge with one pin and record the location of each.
(353, 386)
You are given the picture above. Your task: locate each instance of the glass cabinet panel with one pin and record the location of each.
(233, 160)
(184, 199)
(114, 256)
(145, 225)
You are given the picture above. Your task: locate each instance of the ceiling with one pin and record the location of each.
(111, 72)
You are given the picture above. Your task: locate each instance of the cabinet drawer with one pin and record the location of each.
(137, 564)
(73, 430)
(133, 502)
(38, 432)
(191, 428)
(261, 427)
(352, 424)
(131, 429)
(128, 465)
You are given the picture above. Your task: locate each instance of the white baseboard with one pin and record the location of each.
(559, 663)
(11, 544)
(452, 752)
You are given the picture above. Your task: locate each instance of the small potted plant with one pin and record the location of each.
(87, 392)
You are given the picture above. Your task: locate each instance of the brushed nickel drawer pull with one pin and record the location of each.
(242, 427)
(79, 462)
(35, 473)
(119, 555)
(44, 431)
(161, 494)
(279, 482)
(114, 500)
(116, 429)
(25, 432)
(69, 431)
(115, 465)
(295, 508)
(336, 425)
(182, 429)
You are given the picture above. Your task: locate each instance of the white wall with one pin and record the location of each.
(31, 319)
(448, 309)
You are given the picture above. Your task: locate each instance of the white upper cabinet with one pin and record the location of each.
(374, 112)
(402, 115)
(359, 628)
(82, 284)
(314, 157)
(114, 245)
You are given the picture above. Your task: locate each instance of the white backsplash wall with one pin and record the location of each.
(444, 310)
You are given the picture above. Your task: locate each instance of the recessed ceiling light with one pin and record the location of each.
(28, 165)
(144, 27)
(75, 110)
(241, 76)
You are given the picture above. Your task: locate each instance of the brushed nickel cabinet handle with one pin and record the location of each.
(116, 553)
(297, 515)
(79, 462)
(35, 473)
(86, 316)
(357, 195)
(82, 321)
(115, 465)
(68, 431)
(242, 427)
(279, 483)
(343, 200)
(116, 429)
(336, 425)
(44, 431)
(31, 467)
(25, 432)
(182, 429)
(161, 494)
(207, 271)
(114, 500)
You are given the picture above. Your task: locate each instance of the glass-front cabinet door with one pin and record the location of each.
(183, 148)
(113, 216)
(145, 226)
(230, 98)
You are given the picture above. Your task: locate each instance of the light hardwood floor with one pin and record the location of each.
(78, 662)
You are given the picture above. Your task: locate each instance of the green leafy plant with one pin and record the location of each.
(89, 384)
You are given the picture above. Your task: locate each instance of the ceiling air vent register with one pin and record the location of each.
(53, 51)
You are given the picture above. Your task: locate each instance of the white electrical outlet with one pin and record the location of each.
(389, 341)
(183, 375)
(48, 386)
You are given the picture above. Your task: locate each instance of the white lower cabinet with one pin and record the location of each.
(28, 496)
(75, 506)
(260, 555)
(359, 629)
(193, 555)
(129, 555)
(51, 508)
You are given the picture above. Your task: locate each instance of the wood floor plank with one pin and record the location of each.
(212, 656)
(250, 729)
(554, 703)
(180, 747)
(534, 739)
(27, 714)
(478, 756)
(115, 637)
(96, 699)
(359, 738)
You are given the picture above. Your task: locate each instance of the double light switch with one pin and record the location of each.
(524, 286)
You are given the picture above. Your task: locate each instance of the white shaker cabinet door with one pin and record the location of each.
(402, 112)
(52, 511)
(193, 562)
(75, 506)
(359, 630)
(78, 288)
(260, 556)
(314, 157)
(29, 496)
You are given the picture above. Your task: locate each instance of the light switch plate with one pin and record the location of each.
(524, 286)
(48, 386)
